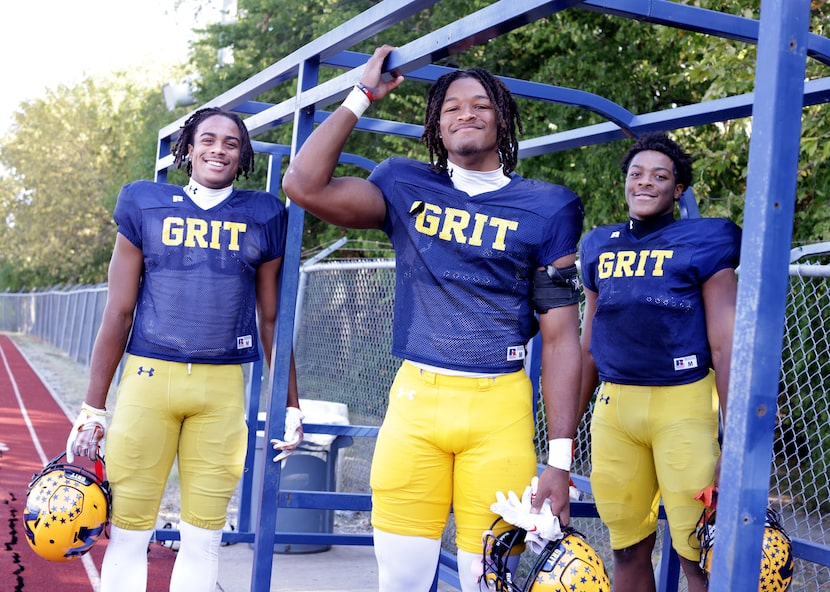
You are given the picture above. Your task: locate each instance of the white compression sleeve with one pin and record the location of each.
(125, 562)
(470, 570)
(405, 563)
(197, 564)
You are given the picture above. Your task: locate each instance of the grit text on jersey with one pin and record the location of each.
(204, 234)
(452, 224)
(632, 263)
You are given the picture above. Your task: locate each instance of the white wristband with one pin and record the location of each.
(560, 453)
(357, 102)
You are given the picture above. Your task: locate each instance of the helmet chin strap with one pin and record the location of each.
(99, 468)
(470, 569)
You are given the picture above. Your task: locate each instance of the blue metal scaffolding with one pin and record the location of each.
(784, 44)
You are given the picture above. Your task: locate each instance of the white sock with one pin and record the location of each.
(405, 563)
(125, 562)
(197, 564)
(470, 571)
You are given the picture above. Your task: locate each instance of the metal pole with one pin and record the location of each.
(762, 294)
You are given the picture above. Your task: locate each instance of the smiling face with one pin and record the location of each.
(651, 187)
(469, 126)
(215, 152)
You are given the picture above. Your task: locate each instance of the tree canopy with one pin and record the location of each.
(63, 161)
(68, 152)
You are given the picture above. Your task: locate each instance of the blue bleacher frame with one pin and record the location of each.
(784, 44)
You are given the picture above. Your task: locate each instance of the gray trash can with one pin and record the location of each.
(312, 467)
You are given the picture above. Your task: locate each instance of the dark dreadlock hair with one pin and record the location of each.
(188, 134)
(508, 120)
(660, 142)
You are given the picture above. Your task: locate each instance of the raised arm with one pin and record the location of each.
(351, 202)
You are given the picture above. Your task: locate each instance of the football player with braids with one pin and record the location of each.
(193, 285)
(479, 250)
(657, 332)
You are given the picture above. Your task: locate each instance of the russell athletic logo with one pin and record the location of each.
(515, 352)
(685, 363)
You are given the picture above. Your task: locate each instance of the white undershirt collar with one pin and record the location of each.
(476, 182)
(205, 197)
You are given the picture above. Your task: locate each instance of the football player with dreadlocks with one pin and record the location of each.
(193, 285)
(479, 249)
(659, 313)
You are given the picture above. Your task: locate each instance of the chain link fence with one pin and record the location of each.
(342, 349)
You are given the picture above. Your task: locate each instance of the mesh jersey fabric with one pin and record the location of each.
(197, 299)
(649, 326)
(465, 264)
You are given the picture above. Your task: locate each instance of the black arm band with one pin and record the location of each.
(553, 287)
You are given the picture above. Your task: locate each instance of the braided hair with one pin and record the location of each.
(508, 120)
(660, 142)
(187, 137)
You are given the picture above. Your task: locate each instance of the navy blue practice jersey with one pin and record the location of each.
(650, 327)
(465, 264)
(197, 300)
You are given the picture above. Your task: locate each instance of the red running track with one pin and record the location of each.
(34, 428)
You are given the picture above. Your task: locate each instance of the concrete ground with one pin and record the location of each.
(340, 569)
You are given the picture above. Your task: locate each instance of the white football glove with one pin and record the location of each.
(293, 433)
(540, 528)
(512, 509)
(547, 529)
(87, 433)
(552, 531)
(517, 512)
